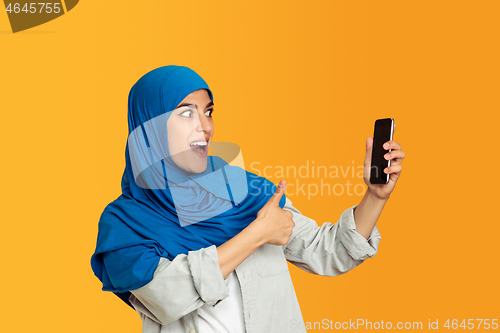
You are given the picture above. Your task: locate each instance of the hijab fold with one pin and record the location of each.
(163, 210)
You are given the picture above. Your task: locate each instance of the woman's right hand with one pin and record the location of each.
(274, 223)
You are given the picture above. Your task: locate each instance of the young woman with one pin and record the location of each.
(194, 244)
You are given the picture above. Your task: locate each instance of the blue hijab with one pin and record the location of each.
(163, 210)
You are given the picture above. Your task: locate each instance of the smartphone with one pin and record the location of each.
(384, 129)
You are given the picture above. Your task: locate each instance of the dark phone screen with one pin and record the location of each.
(382, 134)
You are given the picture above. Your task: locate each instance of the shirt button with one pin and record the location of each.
(192, 331)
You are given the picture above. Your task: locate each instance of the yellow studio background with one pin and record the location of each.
(294, 82)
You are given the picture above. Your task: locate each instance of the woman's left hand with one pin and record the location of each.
(396, 156)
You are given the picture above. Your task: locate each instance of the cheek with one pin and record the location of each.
(213, 128)
(171, 135)
(177, 137)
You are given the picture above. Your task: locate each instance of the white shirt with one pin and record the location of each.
(227, 315)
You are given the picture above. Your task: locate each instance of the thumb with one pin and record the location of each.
(368, 156)
(275, 199)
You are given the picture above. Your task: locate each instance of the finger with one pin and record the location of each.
(396, 161)
(275, 199)
(393, 169)
(394, 177)
(392, 144)
(395, 155)
(368, 155)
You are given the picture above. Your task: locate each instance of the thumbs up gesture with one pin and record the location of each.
(273, 223)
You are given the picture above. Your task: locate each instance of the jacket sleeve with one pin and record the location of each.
(331, 249)
(180, 286)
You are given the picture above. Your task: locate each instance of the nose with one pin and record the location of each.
(204, 123)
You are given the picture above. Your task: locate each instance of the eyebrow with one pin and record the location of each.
(190, 104)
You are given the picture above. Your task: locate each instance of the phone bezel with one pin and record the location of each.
(389, 162)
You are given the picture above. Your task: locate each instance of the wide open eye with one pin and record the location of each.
(188, 113)
(209, 112)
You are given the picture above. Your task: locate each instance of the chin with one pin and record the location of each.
(199, 169)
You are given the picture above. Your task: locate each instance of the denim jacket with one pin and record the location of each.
(179, 287)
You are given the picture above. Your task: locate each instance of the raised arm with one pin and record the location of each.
(329, 249)
(370, 207)
(334, 249)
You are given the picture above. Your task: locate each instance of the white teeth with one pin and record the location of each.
(199, 143)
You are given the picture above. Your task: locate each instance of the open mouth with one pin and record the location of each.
(200, 148)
